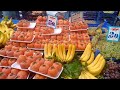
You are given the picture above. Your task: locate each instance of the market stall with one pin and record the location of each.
(52, 48)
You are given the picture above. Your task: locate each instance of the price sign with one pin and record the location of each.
(51, 21)
(113, 34)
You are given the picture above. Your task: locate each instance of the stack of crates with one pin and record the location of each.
(109, 17)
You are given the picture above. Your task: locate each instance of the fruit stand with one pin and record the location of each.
(36, 51)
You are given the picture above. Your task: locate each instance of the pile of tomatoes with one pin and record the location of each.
(9, 73)
(7, 61)
(23, 23)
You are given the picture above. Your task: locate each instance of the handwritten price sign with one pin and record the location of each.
(113, 34)
(51, 21)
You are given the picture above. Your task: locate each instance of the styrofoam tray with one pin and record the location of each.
(35, 48)
(79, 30)
(56, 32)
(31, 26)
(5, 66)
(47, 75)
(17, 66)
(8, 57)
(23, 41)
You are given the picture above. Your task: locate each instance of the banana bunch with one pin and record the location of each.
(8, 23)
(86, 75)
(59, 52)
(8, 31)
(3, 38)
(96, 67)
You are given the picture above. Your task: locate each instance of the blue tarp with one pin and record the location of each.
(14, 21)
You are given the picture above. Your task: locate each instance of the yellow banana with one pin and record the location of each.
(1, 37)
(60, 52)
(64, 52)
(49, 50)
(95, 61)
(5, 39)
(88, 53)
(98, 70)
(81, 75)
(85, 51)
(91, 58)
(97, 64)
(68, 52)
(54, 49)
(72, 53)
(57, 54)
(45, 51)
(85, 75)
(90, 75)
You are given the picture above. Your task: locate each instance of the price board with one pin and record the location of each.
(51, 21)
(113, 34)
(76, 17)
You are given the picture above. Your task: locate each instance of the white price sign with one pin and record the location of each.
(51, 21)
(113, 34)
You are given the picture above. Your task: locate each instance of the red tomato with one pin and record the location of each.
(52, 71)
(43, 69)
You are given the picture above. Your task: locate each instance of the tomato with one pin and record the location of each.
(37, 21)
(28, 53)
(53, 37)
(16, 44)
(49, 62)
(0, 69)
(10, 53)
(60, 22)
(31, 58)
(21, 58)
(37, 45)
(22, 75)
(81, 46)
(14, 48)
(86, 37)
(59, 37)
(11, 76)
(14, 37)
(23, 44)
(40, 61)
(57, 65)
(3, 52)
(42, 45)
(37, 55)
(52, 71)
(29, 38)
(6, 70)
(43, 69)
(14, 71)
(66, 22)
(40, 18)
(23, 49)
(35, 66)
(17, 53)
(21, 37)
(3, 75)
(37, 76)
(20, 24)
(8, 47)
(73, 36)
(44, 18)
(11, 61)
(4, 62)
(26, 24)
(72, 28)
(30, 45)
(24, 65)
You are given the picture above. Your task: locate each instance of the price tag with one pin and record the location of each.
(51, 21)
(113, 34)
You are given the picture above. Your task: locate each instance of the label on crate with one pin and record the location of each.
(113, 34)
(51, 21)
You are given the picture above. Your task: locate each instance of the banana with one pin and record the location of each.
(60, 52)
(49, 50)
(1, 37)
(68, 52)
(87, 53)
(98, 70)
(97, 65)
(90, 75)
(64, 52)
(5, 39)
(54, 49)
(95, 61)
(46, 51)
(85, 75)
(91, 58)
(9, 22)
(57, 54)
(81, 75)
(72, 53)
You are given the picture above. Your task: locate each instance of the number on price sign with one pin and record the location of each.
(113, 34)
(51, 21)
